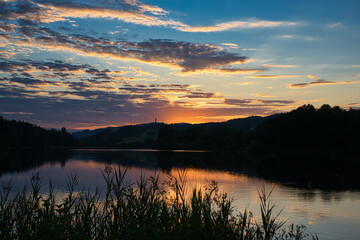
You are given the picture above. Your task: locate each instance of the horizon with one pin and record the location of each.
(73, 130)
(156, 121)
(89, 65)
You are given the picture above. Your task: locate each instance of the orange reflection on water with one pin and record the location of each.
(203, 176)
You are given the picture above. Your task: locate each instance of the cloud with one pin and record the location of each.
(258, 102)
(4, 27)
(318, 81)
(134, 12)
(224, 70)
(55, 69)
(201, 95)
(91, 108)
(231, 45)
(189, 57)
(278, 66)
(274, 76)
(296, 37)
(248, 49)
(334, 25)
(235, 25)
(260, 95)
(82, 95)
(27, 11)
(129, 13)
(16, 113)
(352, 104)
(62, 80)
(244, 83)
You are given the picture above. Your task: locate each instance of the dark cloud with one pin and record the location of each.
(11, 66)
(279, 102)
(258, 102)
(190, 57)
(200, 95)
(25, 10)
(25, 22)
(29, 31)
(45, 39)
(53, 68)
(316, 82)
(170, 85)
(238, 101)
(6, 36)
(27, 64)
(26, 81)
(7, 27)
(187, 55)
(81, 38)
(7, 66)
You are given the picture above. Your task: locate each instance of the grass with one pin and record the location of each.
(142, 210)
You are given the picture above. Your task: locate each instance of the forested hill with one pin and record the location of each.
(302, 129)
(147, 135)
(309, 143)
(305, 144)
(22, 134)
(309, 128)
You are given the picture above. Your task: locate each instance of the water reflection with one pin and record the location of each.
(331, 214)
(21, 160)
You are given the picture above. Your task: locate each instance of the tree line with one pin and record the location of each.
(22, 134)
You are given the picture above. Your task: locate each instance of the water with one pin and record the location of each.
(332, 214)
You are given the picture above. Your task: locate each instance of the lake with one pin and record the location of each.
(332, 212)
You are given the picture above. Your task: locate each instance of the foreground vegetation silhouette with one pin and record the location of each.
(144, 210)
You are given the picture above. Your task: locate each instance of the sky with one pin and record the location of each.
(91, 64)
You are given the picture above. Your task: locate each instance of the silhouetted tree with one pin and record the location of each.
(23, 134)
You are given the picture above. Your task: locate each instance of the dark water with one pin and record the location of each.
(333, 212)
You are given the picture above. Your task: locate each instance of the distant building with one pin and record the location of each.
(155, 120)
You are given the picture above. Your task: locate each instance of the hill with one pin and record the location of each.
(133, 136)
(309, 143)
(145, 135)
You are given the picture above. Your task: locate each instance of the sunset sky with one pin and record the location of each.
(90, 64)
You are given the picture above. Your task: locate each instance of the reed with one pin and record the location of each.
(146, 209)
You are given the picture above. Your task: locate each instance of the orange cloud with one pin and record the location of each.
(273, 76)
(260, 95)
(64, 11)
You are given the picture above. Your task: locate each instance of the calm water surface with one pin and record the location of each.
(331, 214)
